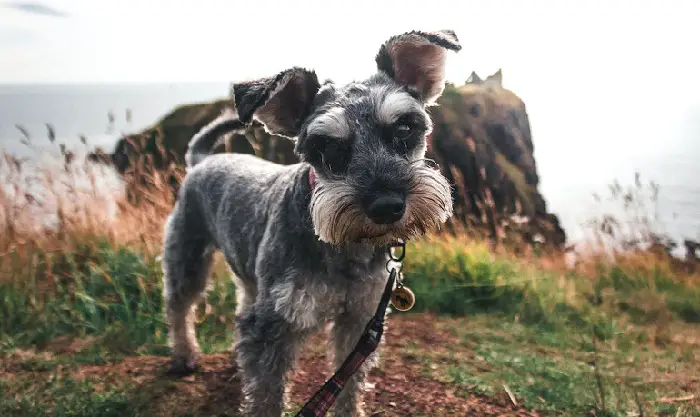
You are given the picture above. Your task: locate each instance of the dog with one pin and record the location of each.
(307, 243)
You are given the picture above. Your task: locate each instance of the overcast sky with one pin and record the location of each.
(559, 42)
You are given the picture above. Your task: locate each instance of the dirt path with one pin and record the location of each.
(401, 387)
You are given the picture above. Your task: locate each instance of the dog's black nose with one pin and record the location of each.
(386, 208)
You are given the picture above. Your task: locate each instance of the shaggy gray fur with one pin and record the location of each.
(305, 255)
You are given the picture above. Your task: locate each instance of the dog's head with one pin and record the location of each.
(365, 141)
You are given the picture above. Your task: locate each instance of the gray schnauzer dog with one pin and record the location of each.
(307, 243)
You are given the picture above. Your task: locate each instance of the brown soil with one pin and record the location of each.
(400, 387)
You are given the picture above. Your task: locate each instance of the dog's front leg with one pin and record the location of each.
(266, 346)
(347, 330)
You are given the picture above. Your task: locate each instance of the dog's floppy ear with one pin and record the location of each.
(280, 103)
(417, 59)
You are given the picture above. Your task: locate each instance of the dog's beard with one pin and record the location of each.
(339, 219)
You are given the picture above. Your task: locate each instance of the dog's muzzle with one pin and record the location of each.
(341, 216)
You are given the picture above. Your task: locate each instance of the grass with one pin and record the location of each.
(531, 329)
(64, 397)
(556, 371)
(454, 277)
(610, 335)
(113, 297)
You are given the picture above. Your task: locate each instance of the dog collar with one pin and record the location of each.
(312, 178)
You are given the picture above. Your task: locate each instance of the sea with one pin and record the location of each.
(577, 160)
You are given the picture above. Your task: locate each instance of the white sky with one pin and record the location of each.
(559, 43)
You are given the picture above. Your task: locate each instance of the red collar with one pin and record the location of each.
(312, 178)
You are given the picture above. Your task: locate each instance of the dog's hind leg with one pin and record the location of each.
(187, 260)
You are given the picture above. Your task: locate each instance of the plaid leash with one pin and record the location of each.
(324, 398)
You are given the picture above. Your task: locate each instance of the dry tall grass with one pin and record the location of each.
(56, 202)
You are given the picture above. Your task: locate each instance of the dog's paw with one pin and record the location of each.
(182, 367)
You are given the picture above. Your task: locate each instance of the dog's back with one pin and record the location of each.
(236, 195)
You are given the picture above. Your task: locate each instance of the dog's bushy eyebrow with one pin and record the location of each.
(392, 105)
(332, 123)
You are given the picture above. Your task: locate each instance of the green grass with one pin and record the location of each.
(554, 372)
(561, 379)
(111, 295)
(449, 279)
(63, 398)
(532, 330)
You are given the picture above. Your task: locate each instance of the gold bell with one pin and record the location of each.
(402, 298)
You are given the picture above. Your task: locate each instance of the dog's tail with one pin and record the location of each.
(201, 144)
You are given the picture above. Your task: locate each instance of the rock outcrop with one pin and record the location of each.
(483, 144)
(481, 140)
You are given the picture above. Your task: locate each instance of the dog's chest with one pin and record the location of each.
(355, 295)
(310, 301)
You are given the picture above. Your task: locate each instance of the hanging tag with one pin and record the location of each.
(402, 298)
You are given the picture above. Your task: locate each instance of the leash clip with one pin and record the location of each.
(402, 298)
(393, 258)
(399, 244)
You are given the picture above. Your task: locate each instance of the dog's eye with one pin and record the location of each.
(404, 134)
(404, 127)
(335, 155)
(402, 130)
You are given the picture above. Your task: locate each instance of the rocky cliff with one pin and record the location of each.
(481, 140)
(483, 144)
